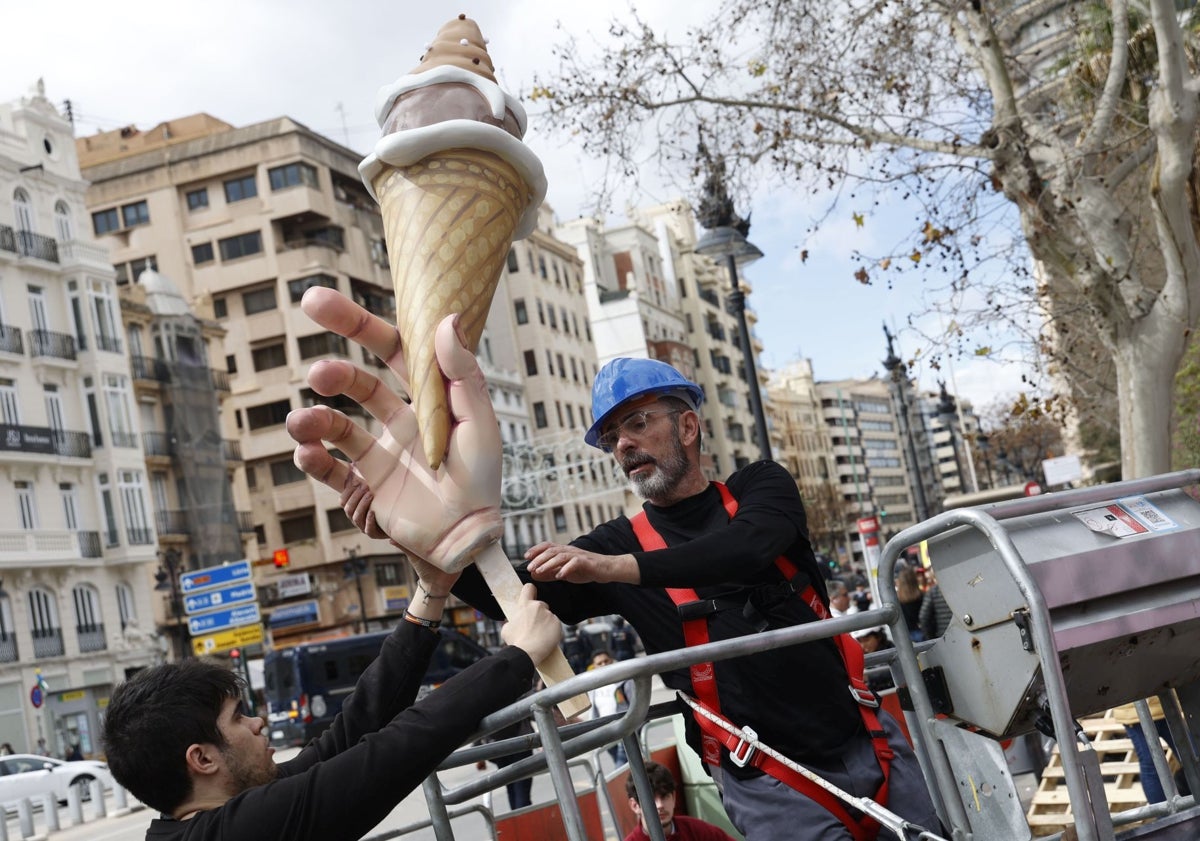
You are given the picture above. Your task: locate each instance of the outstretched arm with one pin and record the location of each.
(443, 516)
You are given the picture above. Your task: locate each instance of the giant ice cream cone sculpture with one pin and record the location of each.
(456, 186)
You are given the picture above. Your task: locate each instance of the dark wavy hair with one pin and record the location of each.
(662, 781)
(152, 719)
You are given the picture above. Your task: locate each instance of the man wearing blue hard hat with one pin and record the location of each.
(702, 562)
(711, 561)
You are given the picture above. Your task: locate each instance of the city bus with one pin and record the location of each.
(307, 683)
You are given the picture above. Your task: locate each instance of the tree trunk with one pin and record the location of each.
(1146, 362)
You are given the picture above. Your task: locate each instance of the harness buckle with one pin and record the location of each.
(740, 753)
(698, 609)
(864, 696)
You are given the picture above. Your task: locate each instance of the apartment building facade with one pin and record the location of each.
(577, 486)
(243, 221)
(713, 335)
(870, 459)
(651, 296)
(77, 557)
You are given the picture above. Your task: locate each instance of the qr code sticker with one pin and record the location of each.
(1147, 513)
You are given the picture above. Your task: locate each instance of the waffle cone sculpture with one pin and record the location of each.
(456, 186)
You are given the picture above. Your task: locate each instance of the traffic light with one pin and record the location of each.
(281, 559)
(235, 655)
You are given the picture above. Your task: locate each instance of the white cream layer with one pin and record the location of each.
(497, 99)
(404, 148)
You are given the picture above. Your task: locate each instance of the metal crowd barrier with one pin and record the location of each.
(1025, 613)
(1063, 605)
(560, 746)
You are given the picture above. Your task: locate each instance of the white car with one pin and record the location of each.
(29, 775)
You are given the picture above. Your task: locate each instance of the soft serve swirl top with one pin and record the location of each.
(410, 144)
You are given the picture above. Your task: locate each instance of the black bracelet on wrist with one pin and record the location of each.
(431, 624)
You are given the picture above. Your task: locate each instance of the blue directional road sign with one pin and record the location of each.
(220, 620)
(196, 580)
(225, 596)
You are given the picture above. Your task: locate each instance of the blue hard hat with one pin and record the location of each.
(623, 379)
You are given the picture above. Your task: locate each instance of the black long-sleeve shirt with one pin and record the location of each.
(796, 698)
(378, 749)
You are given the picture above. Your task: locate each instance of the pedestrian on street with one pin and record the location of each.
(623, 639)
(736, 557)
(609, 700)
(935, 615)
(179, 739)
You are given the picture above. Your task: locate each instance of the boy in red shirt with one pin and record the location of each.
(674, 828)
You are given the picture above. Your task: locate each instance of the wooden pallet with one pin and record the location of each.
(1050, 810)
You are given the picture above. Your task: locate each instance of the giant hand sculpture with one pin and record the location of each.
(445, 516)
(448, 517)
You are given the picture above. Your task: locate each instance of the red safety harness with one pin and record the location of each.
(704, 687)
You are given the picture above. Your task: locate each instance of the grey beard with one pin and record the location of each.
(668, 472)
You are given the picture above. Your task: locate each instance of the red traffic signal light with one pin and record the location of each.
(280, 558)
(234, 654)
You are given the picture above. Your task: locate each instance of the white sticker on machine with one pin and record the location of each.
(1126, 517)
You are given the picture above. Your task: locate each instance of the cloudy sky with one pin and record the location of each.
(134, 62)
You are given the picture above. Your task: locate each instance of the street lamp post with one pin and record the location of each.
(726, 237)
(895, 368)
(167, 579)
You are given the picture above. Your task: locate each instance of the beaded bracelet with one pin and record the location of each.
(431, 624)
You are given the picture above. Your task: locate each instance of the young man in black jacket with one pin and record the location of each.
(729, 544)
(179, 739)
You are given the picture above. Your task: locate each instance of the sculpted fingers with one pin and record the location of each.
(334, 311)
(474, 453)
(333, 377)
(317, 462)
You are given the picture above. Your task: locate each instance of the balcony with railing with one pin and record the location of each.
(121, 438)
(139, 536)
(8, 647)
(232, 449)
(10, 339)
(76, 251)
(112, 344)
(328, 236)
(172, 523)
(149, 368)
(8, 239)
(73, 444)
(47, 547)
(720, 362)
(158, 444)
(47, 642)
(220, 379)
(89, 544)
(41, 247)
(245, 521)
(32, 440)
(91, 637)
(49, 343)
